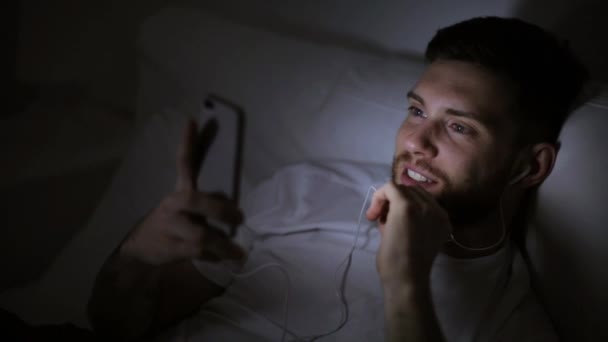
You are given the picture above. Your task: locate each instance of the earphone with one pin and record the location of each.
(521, 176)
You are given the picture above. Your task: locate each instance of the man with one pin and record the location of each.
(481, 134)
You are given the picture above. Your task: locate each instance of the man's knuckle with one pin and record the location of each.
(194, 248)
(175, 201)
(168, 203)
(197, 235)
(226, 212)
(190, 198)
(204, 202)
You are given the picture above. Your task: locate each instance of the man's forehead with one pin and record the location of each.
(463, 87)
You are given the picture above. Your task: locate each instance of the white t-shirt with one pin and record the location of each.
(305, 219)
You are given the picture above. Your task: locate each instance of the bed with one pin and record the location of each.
(300, 93)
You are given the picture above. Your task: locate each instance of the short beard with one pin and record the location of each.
(474, 202)
(473, 205)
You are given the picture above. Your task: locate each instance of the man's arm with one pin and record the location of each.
(131, 299)
(149, 282)
(413, 228)
(409, 314)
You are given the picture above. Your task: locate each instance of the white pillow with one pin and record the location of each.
(361, 117)
(318, 101)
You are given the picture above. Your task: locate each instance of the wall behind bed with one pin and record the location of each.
(407, 25)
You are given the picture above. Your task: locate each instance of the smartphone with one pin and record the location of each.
(221, 168)
(222, 127)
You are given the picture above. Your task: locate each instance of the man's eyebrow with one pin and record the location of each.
(412, 95)
(469, 115)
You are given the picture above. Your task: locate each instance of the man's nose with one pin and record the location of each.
(421, 140)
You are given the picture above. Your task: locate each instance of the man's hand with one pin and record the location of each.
(178, 229)
(150, 282)
(413, 228)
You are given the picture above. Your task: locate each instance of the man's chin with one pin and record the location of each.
(464, 210)
(461, 208)
(434, 189)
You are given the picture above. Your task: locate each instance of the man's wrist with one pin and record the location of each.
(409, 312)
(405, 295)
(123, 271)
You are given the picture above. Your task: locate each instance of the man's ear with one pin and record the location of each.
(541, 164)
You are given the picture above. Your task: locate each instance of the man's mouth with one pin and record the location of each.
(411, 177)
(416, 176)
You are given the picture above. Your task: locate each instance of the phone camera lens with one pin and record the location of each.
(209, 104)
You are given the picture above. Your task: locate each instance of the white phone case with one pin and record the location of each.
(220, 172)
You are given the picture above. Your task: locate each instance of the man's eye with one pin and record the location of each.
(415, 111)
(460, 128)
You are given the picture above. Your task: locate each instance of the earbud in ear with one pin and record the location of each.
(519, 177)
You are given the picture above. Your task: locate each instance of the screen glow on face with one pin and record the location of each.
(453, 140)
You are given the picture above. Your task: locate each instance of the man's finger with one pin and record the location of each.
(217, 208)
(225, 248)
(196, 239)
(185, 174)
(214, 247)
(378, 204)
(392, 194)
(192, 151)
(204, 140)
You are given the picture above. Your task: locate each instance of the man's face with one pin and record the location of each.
(455, 141)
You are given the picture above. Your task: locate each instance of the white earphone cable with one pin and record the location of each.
(340, 286)
(500, 241)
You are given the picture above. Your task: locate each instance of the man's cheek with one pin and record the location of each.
(397, 170)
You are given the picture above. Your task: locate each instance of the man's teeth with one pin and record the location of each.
(416, 176)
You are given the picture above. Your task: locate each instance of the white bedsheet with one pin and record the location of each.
(284, 211)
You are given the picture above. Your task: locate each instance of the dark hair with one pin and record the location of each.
(545, 77)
